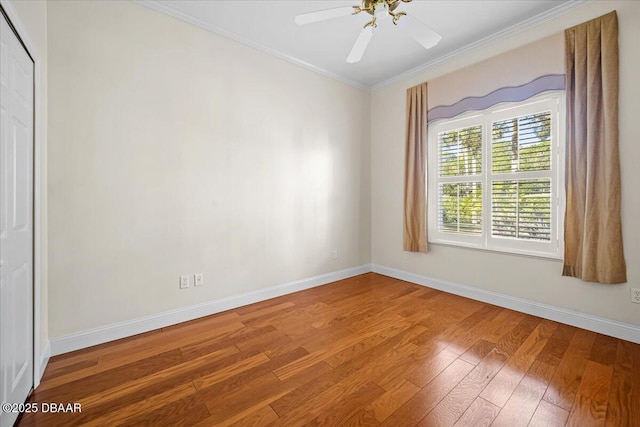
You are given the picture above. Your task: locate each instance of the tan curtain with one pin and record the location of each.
(415, 192)
(593, 231)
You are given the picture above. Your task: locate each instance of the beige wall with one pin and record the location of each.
(524, 277)
(33, 18)
(513, 68)
(169, 155)
(176, 151)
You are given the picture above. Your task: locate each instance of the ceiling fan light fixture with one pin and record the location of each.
(424, 35)
(360, 45)
(313, 17)
(381, 9)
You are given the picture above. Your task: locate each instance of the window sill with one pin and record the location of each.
(514, 252)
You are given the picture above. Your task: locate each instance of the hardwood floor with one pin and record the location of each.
(365, 351)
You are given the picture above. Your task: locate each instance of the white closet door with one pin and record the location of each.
(16, 221)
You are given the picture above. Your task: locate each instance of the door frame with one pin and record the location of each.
(40, 355)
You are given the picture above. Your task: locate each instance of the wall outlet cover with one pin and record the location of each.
(198, 279)
(635, 295)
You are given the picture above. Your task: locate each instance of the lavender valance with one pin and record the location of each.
(504, 94)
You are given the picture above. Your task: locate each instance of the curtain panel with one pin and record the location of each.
(415, 191)
(593, 230)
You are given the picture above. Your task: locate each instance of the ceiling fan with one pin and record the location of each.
(424, 35)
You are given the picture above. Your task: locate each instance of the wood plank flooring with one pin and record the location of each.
(365, 351)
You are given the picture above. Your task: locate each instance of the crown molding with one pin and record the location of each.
(512, 30)
(559, 10)
(168, 10)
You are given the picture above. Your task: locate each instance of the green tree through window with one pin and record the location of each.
(494, 178)
(461, 203)
(521, 208)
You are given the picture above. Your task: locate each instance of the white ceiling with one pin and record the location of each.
(324, 46)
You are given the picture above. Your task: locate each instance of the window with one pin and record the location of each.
(495, 178)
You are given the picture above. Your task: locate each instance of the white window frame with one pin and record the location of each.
(549, 101)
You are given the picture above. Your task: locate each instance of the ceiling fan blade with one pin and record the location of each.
(360, 45)
(321, 15)
(419, 32)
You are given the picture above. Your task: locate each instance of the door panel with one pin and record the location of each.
(16, 221)
(21, 150)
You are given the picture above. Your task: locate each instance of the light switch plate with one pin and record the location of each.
(184, 281)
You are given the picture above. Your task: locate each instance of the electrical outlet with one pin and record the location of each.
(198, 279)
(184, 281)
(334, 254)
(635, 295)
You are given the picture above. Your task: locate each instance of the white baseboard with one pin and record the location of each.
(601, 325)
(128, 328)
(45, 355)
(76, 341)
